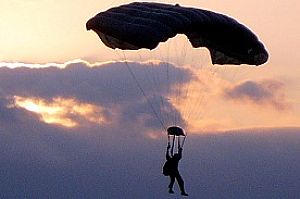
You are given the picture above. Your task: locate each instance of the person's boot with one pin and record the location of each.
(171, 191)
(184, 194)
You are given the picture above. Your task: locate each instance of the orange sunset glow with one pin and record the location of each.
(65, 112)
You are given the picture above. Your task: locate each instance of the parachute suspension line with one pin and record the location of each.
(153, 85)
(158, 93)
(191, 104)
(177, 84)
(173, 143)
(167, 66)
(202, 102)
(183, 89)
(144, 94)
(222, 70)
(203, 99)
(187, 101)
(179, 143)
(169, 143)
(166, 80)
(183, 141)
(214, 70)
(198, 104)
(180, 61)
(199, 100)
(200, 113)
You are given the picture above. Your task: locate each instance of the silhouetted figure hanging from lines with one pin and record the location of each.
(170, 169)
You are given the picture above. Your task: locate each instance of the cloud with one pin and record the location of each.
(266, 92)
(139, 97)
(67, 112)
(41, 160)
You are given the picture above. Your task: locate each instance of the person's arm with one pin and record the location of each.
(180, 152)
(167, 153)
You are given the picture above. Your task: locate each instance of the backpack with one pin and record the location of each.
(166, 168)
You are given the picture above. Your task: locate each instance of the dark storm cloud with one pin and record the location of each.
(109, 85)
(267, 92)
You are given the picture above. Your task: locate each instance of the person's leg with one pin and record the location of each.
(172, 180)
(181, 184)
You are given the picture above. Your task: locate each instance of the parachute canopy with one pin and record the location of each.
(144, 25)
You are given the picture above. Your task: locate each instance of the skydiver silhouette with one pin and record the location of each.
(171, 170)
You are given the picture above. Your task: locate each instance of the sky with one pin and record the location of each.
(75, 122)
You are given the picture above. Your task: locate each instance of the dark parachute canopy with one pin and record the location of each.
(144, 25)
